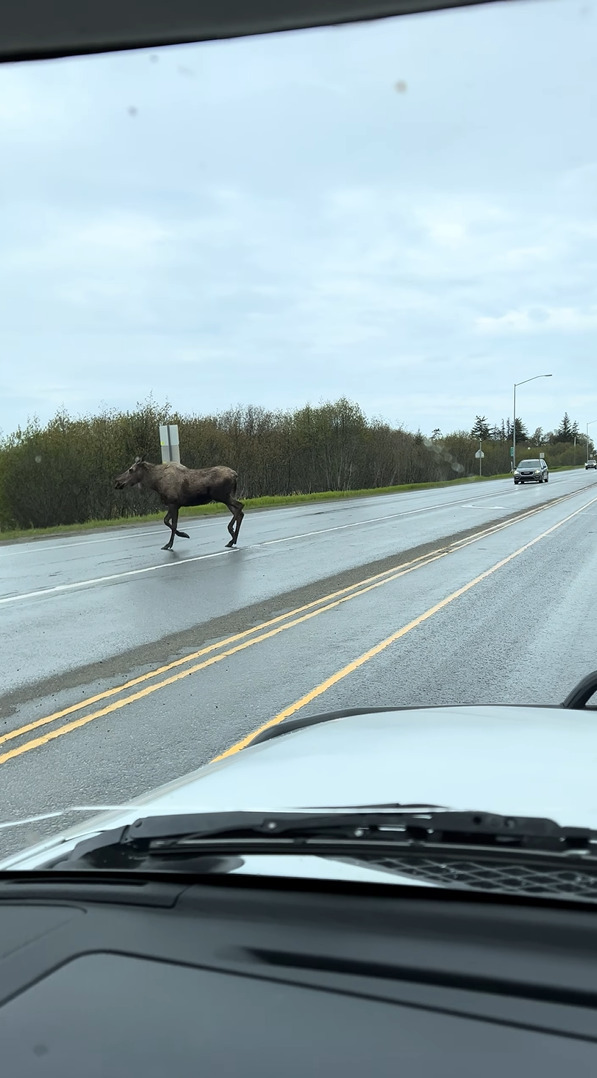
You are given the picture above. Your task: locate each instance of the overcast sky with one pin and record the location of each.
(403, 212)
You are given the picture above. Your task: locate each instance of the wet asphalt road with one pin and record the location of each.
(83, 616)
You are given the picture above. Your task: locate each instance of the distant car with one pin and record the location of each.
(591, 464)
(531, 471)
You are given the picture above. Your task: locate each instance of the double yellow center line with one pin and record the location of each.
(192, 663)
(378, 648)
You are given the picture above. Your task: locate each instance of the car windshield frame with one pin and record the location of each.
(111, 668)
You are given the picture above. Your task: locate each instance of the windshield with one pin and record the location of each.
(281, 317)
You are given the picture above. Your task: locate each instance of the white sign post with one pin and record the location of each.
(479, 455)
(169, 443)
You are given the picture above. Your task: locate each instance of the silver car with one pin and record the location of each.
(531, 471)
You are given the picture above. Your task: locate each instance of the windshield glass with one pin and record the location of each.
(280, 318)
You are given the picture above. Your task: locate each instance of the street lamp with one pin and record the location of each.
(535, 376)
(589, 425)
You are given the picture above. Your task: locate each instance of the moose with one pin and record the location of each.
(179, 486)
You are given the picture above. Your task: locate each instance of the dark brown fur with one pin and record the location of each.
(178, 486)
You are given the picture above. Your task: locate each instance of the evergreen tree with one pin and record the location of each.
(481, 427)
(564, 431)
(521, 431)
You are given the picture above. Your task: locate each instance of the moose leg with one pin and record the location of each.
(171, 520)
(183, 535)
(168, 523)
(236, 508)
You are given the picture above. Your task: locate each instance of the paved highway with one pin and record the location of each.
(125, 666)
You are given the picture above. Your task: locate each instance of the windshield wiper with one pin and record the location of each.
(204, 837)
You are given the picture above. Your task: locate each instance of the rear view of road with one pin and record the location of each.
(128, 666)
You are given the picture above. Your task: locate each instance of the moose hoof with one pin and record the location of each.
(183, 535)
(231, 543)
(167, 547)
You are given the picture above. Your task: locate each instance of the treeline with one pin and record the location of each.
(63, 472)
(566, 432)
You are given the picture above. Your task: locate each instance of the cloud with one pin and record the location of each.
(540, 320)
(284, 226)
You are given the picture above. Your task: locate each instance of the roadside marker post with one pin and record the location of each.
(169, 443)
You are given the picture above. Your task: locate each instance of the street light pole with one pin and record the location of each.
(590, 424)
(514, 434)
(525, 380)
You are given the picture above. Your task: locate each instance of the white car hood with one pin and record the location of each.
(507, 760)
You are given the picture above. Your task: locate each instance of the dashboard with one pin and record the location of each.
(110, 976)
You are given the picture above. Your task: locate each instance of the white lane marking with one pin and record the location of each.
(104, 579)
(265, 542)
(356, 524)
(83, 541)
(386, 517)
(394, 516)
(48, 544)
(57, 588)
(6, 824)
(201, 557)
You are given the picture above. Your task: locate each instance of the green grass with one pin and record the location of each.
(267, 502)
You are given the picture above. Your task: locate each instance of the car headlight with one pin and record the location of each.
(537, 471)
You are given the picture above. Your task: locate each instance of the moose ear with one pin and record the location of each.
(138, 460)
